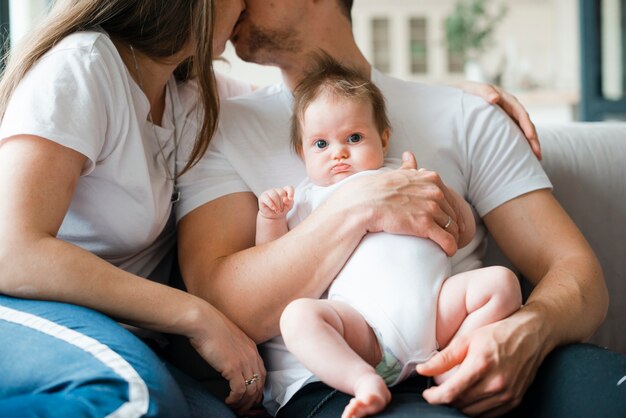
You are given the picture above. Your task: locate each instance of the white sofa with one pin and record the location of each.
(586, 163)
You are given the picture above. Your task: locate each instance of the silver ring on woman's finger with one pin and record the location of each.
(252, 380)
(448, 223)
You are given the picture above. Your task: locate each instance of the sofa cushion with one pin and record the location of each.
(586, 163)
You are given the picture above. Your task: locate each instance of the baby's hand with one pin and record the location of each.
(275, 203)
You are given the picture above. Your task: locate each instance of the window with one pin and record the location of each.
(603, 59)
(4, 27)
(455, 62)
(418, 45)
(381, 44)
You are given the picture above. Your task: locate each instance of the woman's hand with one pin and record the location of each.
(406, 201)
(509, 103)
(229, 351)
(497, 363)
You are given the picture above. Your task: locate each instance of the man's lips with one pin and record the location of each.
(233, 36)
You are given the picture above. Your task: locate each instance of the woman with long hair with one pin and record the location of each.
(93, 106)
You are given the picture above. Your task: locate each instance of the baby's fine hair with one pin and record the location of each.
(327, 76)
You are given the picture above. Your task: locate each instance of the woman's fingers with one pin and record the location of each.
(235, 356)
(246, 384)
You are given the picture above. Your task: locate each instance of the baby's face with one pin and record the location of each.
(340, 138)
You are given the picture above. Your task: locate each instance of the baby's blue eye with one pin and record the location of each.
(354, 138)
(321, 144)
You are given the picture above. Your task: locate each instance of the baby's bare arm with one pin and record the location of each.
(272, 217)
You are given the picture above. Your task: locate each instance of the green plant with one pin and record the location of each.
(470, 26)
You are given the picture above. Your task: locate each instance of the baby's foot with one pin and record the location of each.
(371, 395)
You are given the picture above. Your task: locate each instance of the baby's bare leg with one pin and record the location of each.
(475, 298)
(334, 341)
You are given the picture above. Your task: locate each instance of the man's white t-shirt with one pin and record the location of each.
(81, 95)
(474, 146)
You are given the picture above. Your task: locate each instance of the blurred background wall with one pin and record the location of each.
(564, 59)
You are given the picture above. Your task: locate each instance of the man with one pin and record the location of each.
(473, 147)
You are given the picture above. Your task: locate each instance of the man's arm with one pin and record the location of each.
(568, 303)
(252, 285)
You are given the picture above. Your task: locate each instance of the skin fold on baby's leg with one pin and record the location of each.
(472, 299)
(335, 342)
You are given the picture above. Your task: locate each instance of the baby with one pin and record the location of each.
(394, 302)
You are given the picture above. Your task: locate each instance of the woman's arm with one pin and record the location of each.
(38, 180)
(499, 361)
(252, 285)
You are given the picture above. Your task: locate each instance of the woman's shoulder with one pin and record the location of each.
(85, 48)
(92, 41)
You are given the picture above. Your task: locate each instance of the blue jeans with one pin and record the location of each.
(579, 380)
(61, 360)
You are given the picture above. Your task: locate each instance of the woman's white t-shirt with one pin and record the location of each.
(81, 95)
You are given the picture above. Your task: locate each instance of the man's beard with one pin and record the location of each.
(264, 46)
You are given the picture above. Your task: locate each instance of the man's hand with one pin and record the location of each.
(497, 363)
(509, 103)
(454, 225)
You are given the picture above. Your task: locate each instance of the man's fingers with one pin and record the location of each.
(518, 113)
(444, 239)
(408, 161)
(446, 359)
(530, 132)
(454, 388)
(456, 216)
(488, 92)
(449, 391)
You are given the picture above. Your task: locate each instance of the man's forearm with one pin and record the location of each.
(253, 284)
(539, 238)
(573, 299)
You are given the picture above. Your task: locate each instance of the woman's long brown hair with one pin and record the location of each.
(158, 28)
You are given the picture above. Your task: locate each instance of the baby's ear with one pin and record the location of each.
(385, 139)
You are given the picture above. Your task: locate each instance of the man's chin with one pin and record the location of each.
(246, 54)
(240, 49)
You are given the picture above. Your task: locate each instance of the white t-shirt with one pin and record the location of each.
(228, 87)
(474, 146)
(81, 95)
